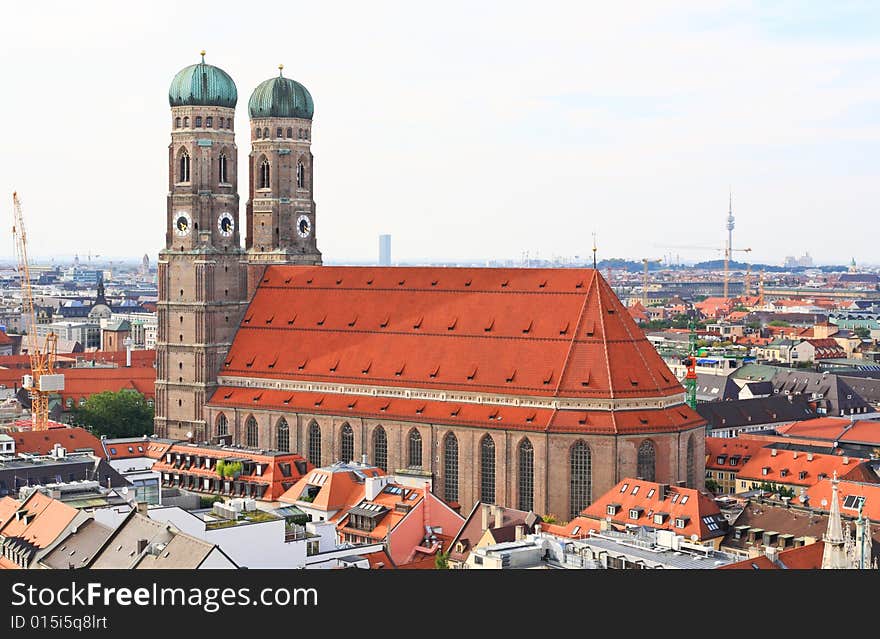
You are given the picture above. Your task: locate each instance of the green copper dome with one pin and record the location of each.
(202, 85)
(281, 97)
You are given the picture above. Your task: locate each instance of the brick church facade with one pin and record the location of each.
(530, 388)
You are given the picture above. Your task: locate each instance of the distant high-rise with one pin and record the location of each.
(384, 250)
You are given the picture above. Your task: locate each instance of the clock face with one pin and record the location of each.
(226, 224)
(303, 226)
(182, 223)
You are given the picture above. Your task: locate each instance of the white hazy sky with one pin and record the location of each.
(468, 130)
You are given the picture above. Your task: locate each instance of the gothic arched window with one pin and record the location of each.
(264, 174)
(300, 175)
(278, 132)
(209, 122)
(526, 475)
(289, 132)
(487, 470)
(450, 467)
(177, 123)
(266, 132)
(415, 449)
(691, 474)
(380, 448)
(315, 444)
(252, 437)
(198, 121)
(581, 480)
(222, 425)
(224, 178)
(259, 133)
(646, 461)
(186, 122)
(184, 167)
(282, 435)
(347, 448)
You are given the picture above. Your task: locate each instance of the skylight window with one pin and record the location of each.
(624, 487)
(634, 490)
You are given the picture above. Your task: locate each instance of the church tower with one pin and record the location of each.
(281, 205)
(202, 277)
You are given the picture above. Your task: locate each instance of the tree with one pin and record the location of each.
(121, 414)
(550, 519)
(229, 469)
(441, 560)
(862, 331)
(712, 485)
(778, 323)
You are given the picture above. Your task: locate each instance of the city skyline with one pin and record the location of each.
(652, 148)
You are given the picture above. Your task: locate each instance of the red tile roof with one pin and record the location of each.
(84, 382)
(41, 442)
(272, 477)
(819, 497)
(338, 490)
(727, 448)
(700, 513)
(786, 466)
(807, 557)
(463, 414)
(46, 519)
(5, 340)
(547, 332)
(139, 358)
(842, 429)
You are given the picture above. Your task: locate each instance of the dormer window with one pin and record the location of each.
(681, 522)
(635, 513)
(611, 509)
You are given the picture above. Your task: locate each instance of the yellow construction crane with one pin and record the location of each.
(43, 380)
(646, 261)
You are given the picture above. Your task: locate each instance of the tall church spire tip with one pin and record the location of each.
(202, 53)
(280, 70)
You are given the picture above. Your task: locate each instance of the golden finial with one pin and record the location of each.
(281, 70)
(203, 55)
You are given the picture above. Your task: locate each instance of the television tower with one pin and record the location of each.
(729, 251)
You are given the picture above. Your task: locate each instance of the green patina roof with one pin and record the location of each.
(281, 97)
(202, 85)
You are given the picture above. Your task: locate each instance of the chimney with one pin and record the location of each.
(809, 456)
(662, 489)
(499, 516)
(794, 454)
(772, 553)
(364, 459)
(141, 545)
(142, 507)
(773, 452)
(681, 483)
(845, 460)
(520, 532)
(484, 521)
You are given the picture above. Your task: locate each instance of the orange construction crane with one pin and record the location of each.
(43, 380)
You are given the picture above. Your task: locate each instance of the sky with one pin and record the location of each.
(469, 130)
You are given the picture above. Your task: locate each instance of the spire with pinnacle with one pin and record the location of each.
(834, 555)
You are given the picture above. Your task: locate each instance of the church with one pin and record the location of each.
(529, 388)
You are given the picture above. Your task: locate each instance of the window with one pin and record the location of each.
(651, 493)
(450, 467)
(680, 523)
(264, 174)
(691, 477)
(526, 475)
(186, 122)
(289, 132)
(415, 449)
(252, 438)
(300, 175)
(198, 121)
(224, 178)
(315, 444)
(222, 425)
(278, 132)
(684, 500)
(580, 482)
(259, 133)
(266, 132)
(183, 174)
(646, 458)
(487, 470)
(611, 509)
(635, 513)
(209, 122)
(347, 446)
(282, 435)
(635, 490)
(176, 123)
(380, 448)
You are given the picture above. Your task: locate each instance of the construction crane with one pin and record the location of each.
(646, 261)
(690, 378)
(727, 253)
(42, 380)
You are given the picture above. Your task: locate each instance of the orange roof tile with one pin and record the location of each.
(340, 487)
(41, 442)
(549, 332)
(699, 513)
(720, 450)
(792, 467)
(42, 519)
(800, 558)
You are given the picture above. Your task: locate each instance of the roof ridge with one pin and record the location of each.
(573, 339)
